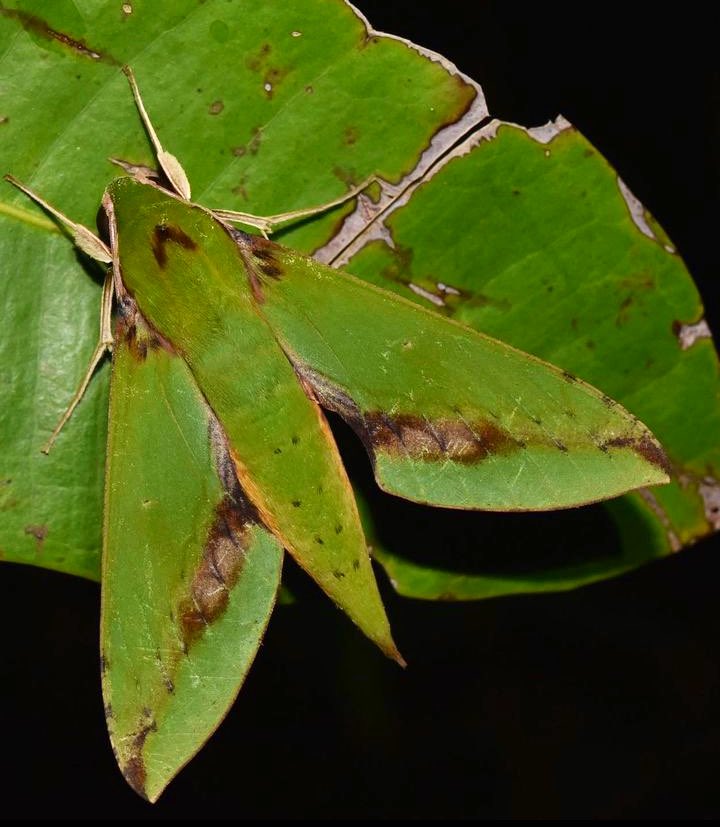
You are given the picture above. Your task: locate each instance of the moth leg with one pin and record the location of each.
(87, 241)
(92, 246)
(268, 223)
(104, 344)
(169, 163)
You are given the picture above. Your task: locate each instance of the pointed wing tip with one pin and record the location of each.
(391, 650)
(134, 773)
(651, 451)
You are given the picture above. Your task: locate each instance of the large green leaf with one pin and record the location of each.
(282, 118)
(295, 102)
(554, 255)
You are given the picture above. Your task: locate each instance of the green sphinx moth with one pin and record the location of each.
(226, 348)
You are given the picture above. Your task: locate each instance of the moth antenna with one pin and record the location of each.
(169, 163)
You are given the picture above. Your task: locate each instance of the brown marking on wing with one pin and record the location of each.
(38, 26)
(645, 446)
(225, 549)
(265, 252)
(457, 439)
(137, 333)
(437, 439)
(134, 768)
(222, 561)
(258, 257)
(169, 233)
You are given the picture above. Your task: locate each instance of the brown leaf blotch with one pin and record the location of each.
(38, 26)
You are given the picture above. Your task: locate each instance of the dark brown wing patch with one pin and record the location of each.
(164, 234)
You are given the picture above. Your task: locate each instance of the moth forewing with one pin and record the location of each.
(190, 574)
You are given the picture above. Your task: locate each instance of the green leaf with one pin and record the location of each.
(189, 574)
(553, 255)
(66, 109)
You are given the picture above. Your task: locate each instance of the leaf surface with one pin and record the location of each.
(525, 231)
(348, 102)
(555, 256)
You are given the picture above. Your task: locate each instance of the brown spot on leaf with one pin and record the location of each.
(240, 189)
(624, 311)
(252, 146)
(39, 532)
(4, 119)
(273, 78)
(350, 135)
(347, 176)
(216, 107)
(37, 26)
(643, 280)
(255, 61)
(163, 234)
(569, 377)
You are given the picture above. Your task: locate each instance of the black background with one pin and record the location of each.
(599, 703)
